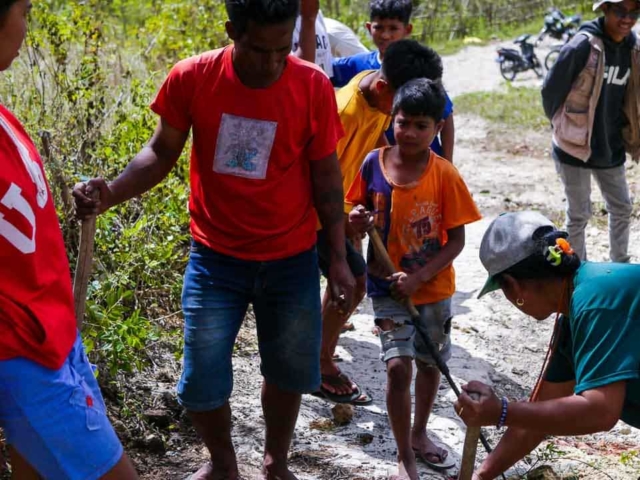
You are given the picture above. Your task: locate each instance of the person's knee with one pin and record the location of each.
(622, 211)
(578, 217)
(399, 373)
(427, 368)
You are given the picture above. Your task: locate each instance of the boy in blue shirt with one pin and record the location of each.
(390, 21)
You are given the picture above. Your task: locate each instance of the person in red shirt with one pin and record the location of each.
(265, 128)
(50, 403)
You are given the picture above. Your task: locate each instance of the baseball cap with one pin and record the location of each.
(508, 241)
(597, 5)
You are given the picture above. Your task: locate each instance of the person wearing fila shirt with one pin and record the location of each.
(587, 96)
(51, 411)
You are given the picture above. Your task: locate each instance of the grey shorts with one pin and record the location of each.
(404, 340)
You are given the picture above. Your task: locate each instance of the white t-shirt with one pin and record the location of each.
(324, 59)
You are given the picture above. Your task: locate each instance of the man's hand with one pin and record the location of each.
(360, 220)
(482, 412)
(341, 284)
(404, 285)
(309, 9)
(86, 206)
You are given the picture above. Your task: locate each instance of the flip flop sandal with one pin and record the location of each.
(438, 467)
(357, 398)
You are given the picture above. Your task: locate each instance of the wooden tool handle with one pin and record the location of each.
(383, 256)
(84, 264)
(470, 448)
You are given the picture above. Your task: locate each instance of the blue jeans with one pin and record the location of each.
(286, 301)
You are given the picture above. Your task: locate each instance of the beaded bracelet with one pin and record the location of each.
(503, 414)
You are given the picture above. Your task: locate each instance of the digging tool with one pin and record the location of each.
(84, 264)
(381, 254)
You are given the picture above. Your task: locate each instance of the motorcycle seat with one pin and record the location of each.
(522, 38)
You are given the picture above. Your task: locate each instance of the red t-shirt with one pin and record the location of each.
(37, 319)
(251, 192)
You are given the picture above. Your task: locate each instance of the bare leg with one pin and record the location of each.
(399, 373)
(215, 429)
(122, 471)
(20, 468)
(332, 321)
(427, 383)
(280, 410)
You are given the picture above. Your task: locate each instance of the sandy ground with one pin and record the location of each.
(493, 342)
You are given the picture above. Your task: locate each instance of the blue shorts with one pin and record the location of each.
(404, 340)
(56, 419)
(286, 301)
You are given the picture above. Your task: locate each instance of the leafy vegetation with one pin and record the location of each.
(500, 107)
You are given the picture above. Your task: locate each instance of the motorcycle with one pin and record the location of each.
(557, 25)
(513, 61)
(552, 56)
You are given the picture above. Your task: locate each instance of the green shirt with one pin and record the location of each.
(599, 342)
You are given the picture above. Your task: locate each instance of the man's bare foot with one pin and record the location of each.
(206, 473)
(407, 468)
(277, 474)
(426, 449)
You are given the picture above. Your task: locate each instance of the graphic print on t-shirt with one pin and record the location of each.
(14, 200)
(419, 237)
(244, 146)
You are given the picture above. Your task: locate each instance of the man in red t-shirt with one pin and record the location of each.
(265, 129)
(51, 411)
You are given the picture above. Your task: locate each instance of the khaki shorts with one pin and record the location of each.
(404, 340)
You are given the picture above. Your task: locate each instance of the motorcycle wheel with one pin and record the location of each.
(551, 59)
(508, 69)
(537, 67)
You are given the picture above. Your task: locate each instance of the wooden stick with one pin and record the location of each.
(470, 449)
(84, 264)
